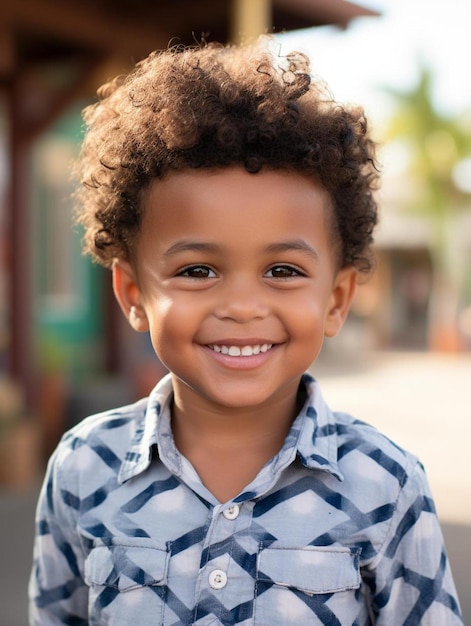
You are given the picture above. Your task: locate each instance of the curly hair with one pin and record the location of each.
(215, 106)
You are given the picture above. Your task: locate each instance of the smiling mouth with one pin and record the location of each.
(241, 350)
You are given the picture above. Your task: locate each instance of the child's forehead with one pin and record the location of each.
(233, 206)
(231, 180)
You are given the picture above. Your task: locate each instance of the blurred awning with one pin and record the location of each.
(35, 30)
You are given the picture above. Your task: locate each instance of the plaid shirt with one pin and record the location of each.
(339, 528)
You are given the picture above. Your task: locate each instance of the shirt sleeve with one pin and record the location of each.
(57, 591)
(411, 582)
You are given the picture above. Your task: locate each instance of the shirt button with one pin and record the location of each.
(232, 512)
(217, 579)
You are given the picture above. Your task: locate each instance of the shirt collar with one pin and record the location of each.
(314, 434)
(150, 434)
(318, 442)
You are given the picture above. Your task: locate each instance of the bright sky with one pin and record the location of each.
(386, 51)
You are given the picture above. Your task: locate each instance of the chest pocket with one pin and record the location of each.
(311, 585)
(127, 578)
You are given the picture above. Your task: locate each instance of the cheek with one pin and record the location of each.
(160, 314)
(171, 323)
(306, 316)
(306, 335)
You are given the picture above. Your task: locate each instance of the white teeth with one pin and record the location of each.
(241, 351)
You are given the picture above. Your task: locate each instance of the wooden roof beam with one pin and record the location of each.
(88, 26)
(7, 51)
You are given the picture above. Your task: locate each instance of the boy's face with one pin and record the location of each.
(235, 276)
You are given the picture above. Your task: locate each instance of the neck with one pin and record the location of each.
(198, 422)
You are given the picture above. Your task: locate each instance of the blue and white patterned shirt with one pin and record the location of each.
(339, 528)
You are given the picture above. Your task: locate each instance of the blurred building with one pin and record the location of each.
(420, 297)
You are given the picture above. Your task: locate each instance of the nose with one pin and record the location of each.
(241, 301)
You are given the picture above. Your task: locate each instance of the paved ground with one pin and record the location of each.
(422, 401)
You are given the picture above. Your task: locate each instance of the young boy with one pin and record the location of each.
(233, 201)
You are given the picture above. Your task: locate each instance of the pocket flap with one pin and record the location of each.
(126, 567)
(310, 569)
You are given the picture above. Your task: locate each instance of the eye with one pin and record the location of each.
(198, 272)
(283, 271)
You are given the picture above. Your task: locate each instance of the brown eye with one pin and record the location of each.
(197, 271)
(283, 271)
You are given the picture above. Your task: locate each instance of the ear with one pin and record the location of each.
(343, 291)
(128, 295)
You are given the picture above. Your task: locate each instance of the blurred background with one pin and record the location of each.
(403, 361)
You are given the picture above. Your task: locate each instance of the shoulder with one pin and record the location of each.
(367, 456)
(354, 446)
(104, 443)
(100, 424)
(357, 435)
(101, 436)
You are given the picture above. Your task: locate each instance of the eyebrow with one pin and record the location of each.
(298, 245)
(193, 246)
